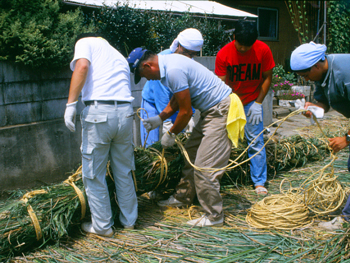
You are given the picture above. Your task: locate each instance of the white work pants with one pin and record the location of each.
(107, 134)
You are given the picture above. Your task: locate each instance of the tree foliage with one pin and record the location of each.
(127, 28)
(37, 33)
(339, 26)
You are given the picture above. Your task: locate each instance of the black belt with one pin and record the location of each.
(109, 102)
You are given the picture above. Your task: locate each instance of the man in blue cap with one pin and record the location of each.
(155, 96)
(331, 74)
(209, 145)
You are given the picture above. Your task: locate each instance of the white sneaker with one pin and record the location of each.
(335, 224)
(87, 227)
(205, 221)
(171, 201)
(152, 195)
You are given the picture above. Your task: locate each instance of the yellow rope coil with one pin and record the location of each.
(71, 179)
(31, 212)
(279, 212)
(290, 210)
(325, 194)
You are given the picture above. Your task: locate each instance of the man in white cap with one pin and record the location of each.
(331, 74)
(155, 96)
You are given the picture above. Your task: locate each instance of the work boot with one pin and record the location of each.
(335, 224)
(204, 221)
(87, 227)
(171, 201)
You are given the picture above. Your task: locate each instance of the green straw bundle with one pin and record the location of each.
(46, 215)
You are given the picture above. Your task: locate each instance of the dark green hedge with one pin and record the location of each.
(339, 26)
(128, 28)
(37, 33)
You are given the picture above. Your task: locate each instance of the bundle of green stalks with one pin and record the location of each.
(281, 155)
(56, 209)
(149, 173)
(59, 208)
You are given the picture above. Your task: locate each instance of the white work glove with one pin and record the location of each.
(168, 139)
(255, 113)
(70, 115)
(299, 104)
(167, 126)
(190, 125)
(152, 123)
(318, 112)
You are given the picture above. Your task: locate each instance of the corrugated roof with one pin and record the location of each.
(195, 7)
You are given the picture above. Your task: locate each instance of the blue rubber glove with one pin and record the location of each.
(255, 113)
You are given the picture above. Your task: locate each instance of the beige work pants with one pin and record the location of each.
(208, 146)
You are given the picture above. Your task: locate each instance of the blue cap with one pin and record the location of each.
(133, 60)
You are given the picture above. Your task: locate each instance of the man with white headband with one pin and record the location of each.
(155, 96)
(331, 74)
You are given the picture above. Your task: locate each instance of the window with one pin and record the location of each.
(267, 23)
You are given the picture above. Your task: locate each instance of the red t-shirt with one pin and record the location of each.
(244, 71)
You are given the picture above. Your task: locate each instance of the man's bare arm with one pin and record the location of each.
(78, 79)
(265, 86)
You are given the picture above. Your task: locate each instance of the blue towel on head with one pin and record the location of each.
(307, 55)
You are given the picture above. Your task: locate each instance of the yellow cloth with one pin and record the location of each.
(235, 120)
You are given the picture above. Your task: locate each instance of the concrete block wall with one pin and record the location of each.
(28, 96)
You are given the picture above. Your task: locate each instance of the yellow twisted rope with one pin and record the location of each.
(285, 212)
(290, 210)
(31, 212)
(71, 179)
(234, 163)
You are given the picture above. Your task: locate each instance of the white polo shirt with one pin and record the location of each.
(179, 72)
(109, 74)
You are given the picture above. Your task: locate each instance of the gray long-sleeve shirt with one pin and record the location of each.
(334, 91)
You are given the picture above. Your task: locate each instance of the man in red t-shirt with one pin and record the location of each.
(246, 66)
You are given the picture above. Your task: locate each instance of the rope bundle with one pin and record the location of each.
(291, 209)
(279, 212)
(325, 194)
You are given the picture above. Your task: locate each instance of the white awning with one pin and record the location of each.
(195, 7)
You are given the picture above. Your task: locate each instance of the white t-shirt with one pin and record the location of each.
(179, 72)
(109, 74)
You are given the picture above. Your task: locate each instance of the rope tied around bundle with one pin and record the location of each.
(31, 212)
(163, 162)
(71, 179)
